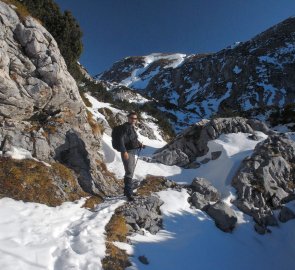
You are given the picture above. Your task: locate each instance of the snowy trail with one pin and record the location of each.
(34, 236)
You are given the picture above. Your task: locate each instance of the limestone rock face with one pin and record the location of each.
(192, 142)
(40, 106)
(265, 181)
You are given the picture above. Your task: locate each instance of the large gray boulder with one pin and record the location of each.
(40, 107)
(192, 142)
(203, 186)
(224, 217)
(199, 201)
(265, 181)
(171, 157)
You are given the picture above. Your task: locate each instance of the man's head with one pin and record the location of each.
(132, 118)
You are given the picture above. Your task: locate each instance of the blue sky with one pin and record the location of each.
(114, 29)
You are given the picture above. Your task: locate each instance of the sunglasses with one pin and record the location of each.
(133, 118)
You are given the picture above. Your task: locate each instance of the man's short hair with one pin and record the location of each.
(132, 113)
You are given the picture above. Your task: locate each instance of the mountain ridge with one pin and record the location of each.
(257, 73)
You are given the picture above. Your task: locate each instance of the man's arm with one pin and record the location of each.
(122, 147)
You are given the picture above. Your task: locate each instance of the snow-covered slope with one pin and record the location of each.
(70, 237)
(244, 77)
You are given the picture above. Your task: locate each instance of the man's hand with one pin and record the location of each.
(125, 155)
(141, 145)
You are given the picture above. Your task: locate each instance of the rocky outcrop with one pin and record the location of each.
(248, 76)
(224, 217)
(265, 181)
(113, 118)
(146, 131)
(204, 187)
(205, 196)
(203, 193)
(140, 216)
(122, 93)
(40, 106)
(143, 213)
(192, 142)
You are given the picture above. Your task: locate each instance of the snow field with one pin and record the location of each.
(34, 236)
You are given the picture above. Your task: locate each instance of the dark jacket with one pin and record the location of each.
(128, 139)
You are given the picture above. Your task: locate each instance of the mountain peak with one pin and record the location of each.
(240, 78)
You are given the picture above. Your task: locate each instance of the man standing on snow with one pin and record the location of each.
(128, 144)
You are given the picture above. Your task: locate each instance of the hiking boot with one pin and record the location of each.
(130, 196)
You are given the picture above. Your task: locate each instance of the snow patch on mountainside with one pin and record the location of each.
(139, 78)
(237, 70)
(176, 59)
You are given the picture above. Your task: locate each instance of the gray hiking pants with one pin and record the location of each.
(129, 166)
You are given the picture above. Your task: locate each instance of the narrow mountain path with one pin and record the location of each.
(34, 236)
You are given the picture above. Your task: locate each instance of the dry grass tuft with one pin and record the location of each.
(116, 230)
(92, 202)
(152, 184)
(97, 129)
(32, 181)
(85, 99)
(117, 259)
(21, 10)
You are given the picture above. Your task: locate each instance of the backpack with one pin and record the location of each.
(117, 132)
